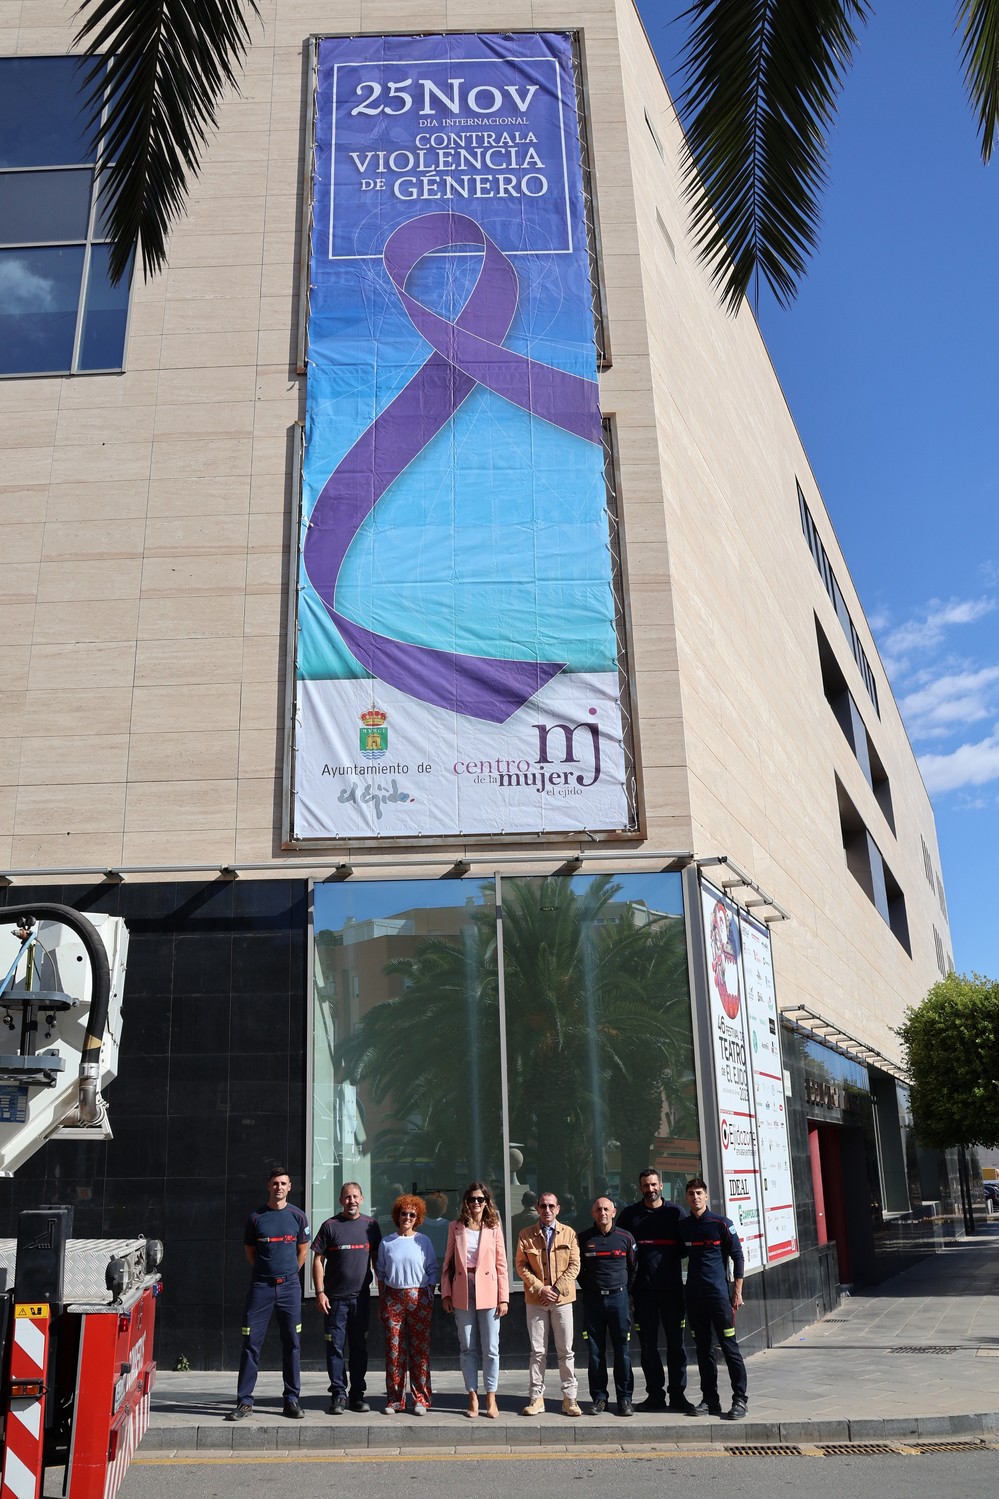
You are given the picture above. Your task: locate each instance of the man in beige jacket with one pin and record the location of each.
(548, 1263)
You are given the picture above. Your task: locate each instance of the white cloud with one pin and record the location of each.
(23, 290)
(979, 803)
(926, 631)
(950, 701)
(968, 765)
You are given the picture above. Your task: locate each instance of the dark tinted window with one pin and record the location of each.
(36, 207)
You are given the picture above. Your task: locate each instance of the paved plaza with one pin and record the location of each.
(915, 1357)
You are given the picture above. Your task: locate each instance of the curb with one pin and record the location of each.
(225, 1437)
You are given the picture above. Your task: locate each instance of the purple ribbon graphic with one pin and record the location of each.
(468, 351)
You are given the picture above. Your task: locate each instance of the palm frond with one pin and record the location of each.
(762, 80)
(978, 20)
(158, 70)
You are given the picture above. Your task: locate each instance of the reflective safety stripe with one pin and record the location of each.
(329, 1337)
(729, 1332)
(246, 1332)
(299, 1327)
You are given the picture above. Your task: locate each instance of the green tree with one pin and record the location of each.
(759, 81)
(951, 1044)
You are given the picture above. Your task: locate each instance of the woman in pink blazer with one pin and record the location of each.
(476, 1287)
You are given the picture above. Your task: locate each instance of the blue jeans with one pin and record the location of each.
(265, 1299)
(347, 1345)
(478, 1332)
(603, 1316)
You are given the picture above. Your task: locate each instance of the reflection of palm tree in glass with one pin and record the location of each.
(598, 1025)
(430, 1056)
(598, 1036)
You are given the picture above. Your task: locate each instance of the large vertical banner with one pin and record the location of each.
(772, 1138)
(732, 1071)
(456, 653)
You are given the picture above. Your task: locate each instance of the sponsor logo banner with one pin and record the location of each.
(749, 1080)
(456, 651)
(732, 1071)
(772, 1134)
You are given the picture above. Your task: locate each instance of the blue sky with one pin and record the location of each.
(886, 360)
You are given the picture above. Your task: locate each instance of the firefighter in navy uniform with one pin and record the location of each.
(606, 1272)
(276, 1241)
(709, 1241)
(658, 1294)
(343, 1255)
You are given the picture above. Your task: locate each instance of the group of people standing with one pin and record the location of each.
(629, 1272)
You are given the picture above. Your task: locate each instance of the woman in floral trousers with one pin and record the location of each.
(406, 1269)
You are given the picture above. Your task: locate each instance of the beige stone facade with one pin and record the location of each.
(146, 561)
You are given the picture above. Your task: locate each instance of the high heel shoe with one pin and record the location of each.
(473, 1404)
(492, 1409)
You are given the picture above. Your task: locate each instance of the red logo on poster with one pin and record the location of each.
(724, 940)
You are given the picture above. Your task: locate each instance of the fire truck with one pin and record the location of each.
(76, 1315)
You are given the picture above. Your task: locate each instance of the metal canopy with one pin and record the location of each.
(806, 1022)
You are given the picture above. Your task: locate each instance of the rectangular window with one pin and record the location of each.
(866, 863)
(666, 234)
(567, 1011)
(850, 720)
(927, 863)
(832, 588)
(889, 1123)
(655, 135)
(941, 898)
(59, 313)
(941, 956)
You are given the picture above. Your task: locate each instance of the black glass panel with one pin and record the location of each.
(196, 1129)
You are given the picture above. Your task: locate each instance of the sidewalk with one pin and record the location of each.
(915, 1358)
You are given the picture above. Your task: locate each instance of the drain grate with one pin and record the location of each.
(926, 1348)
(857, 1449)
(764, 1449)
(927, 1447)
(827, 1320)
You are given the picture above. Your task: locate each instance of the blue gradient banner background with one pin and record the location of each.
(493, 541)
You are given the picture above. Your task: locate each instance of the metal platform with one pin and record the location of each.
(86, 1264)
